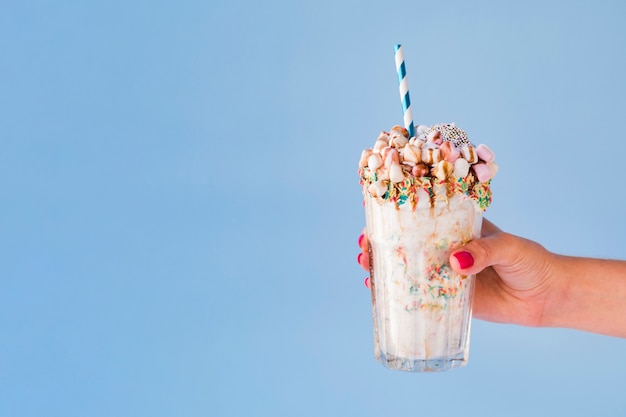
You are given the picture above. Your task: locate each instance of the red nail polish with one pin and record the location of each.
(367, 282)
(361, 239)
(465, 259)
(358, 258)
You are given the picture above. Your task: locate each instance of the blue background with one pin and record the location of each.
(179, 201)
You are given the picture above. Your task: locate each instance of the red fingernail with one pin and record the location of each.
(361, 239)
(358, 258)
(367, 282)
(465, 259)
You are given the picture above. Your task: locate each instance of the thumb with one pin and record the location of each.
(497, 249)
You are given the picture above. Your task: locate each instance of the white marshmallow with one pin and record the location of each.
(461, 168)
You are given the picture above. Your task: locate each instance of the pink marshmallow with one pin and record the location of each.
(485, 153)
(482, 171)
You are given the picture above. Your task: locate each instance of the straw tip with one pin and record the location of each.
(397, 46)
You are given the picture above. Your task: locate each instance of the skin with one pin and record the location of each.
(520, 282)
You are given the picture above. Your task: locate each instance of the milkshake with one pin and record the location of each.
(424, 197)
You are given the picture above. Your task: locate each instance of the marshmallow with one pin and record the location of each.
(449, 152)
(374, 161)
(469, 153)
(395, 173)
(482, 171)
(461, 168)
(493, 167)
(377, 189)
(485, 153)
(364, 156)
(391, 157)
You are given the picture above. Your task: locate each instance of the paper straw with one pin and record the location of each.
(404, 91)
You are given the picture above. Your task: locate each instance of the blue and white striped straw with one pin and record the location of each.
(404, 91)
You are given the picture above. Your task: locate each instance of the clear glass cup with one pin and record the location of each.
(421, 308)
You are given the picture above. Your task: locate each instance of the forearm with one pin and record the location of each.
(590, 295)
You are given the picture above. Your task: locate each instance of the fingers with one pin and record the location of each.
(362, 258)
(489, 228)
(496, 249)
(363, 244)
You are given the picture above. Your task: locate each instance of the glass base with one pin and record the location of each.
(422, 365)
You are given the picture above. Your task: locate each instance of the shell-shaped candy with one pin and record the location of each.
(485, 153)
(377, 189)
(395, 173)
(461, 168)
(374, 161)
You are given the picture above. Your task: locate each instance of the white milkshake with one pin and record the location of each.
(424, 197)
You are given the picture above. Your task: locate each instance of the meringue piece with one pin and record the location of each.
(449, 152)
(431, 155)
(374, 161)
(364, 156)
(421, 130)
(380, 144)
(399, 131)
(377, 189)
(412, 153)
(398, 141)
(391, 157)
(395, 173)
(435, 137)
(383, 136)
(461, 168)
(482, 171)
(485, 153)
(443, 170)
(420, 170)
(469, 153)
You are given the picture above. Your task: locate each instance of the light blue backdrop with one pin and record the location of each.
(179, 201)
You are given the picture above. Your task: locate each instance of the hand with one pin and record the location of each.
(514, 275)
